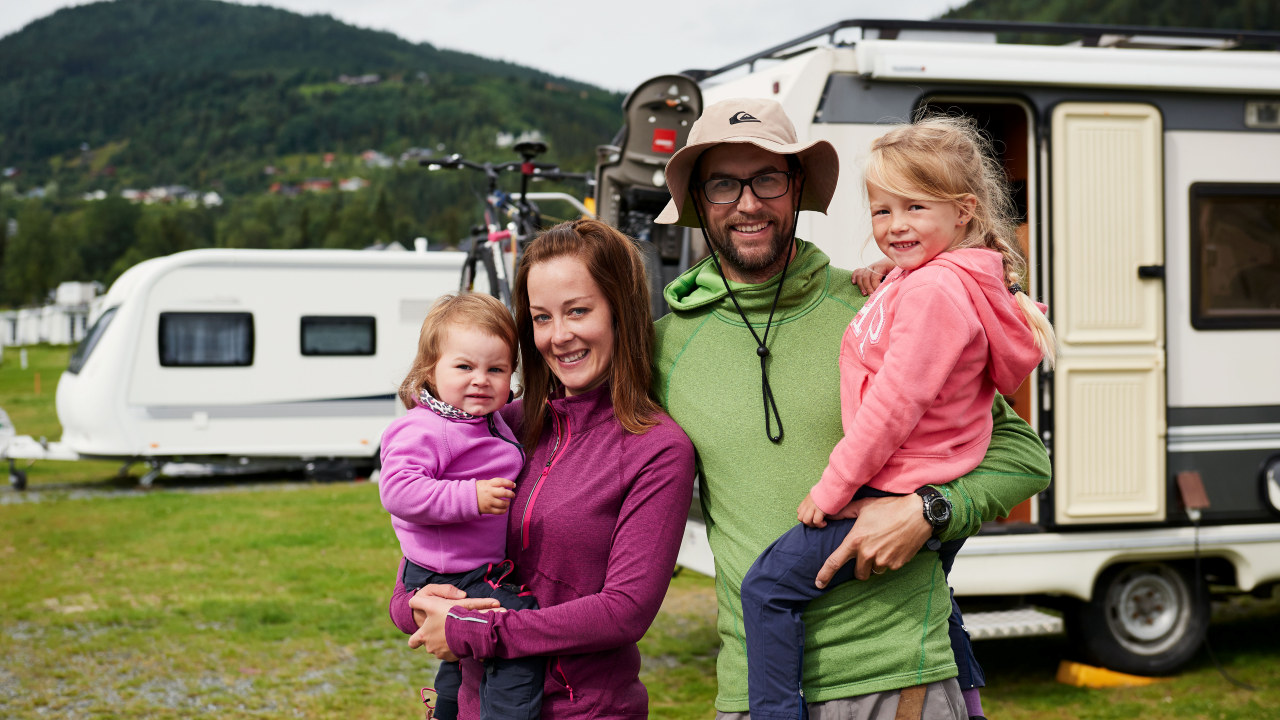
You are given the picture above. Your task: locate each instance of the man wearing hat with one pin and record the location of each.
(747, 363)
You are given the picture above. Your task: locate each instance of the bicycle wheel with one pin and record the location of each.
(497, 285)
(467, 283)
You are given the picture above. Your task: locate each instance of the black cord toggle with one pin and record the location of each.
(762, 351)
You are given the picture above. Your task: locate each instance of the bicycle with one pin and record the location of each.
(495, 246)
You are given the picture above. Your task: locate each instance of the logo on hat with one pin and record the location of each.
(742, 116)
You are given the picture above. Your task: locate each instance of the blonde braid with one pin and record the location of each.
(1014, 268)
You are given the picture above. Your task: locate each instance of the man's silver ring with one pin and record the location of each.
(877, 572)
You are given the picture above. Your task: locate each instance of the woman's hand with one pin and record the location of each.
(430, 606)
(868, 278)
(889, 532)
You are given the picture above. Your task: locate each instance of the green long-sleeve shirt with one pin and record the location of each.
(861, 637)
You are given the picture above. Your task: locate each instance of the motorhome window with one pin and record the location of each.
(197, 339)
(350, 335)
(1235, 246)
(81, 354)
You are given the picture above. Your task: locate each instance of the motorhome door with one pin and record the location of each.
(1106, 245)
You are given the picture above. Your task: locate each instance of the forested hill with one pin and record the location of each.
(199, 92)
(1221, 14)
(293, 130)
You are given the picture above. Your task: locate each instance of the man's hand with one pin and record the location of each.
(889, 532)
(810, 514)
(868, 278)
(430, 606)
(494, 495)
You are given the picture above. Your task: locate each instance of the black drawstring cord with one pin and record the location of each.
(770, 405)
(771, 413)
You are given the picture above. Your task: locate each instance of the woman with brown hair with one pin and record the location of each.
(600, 506)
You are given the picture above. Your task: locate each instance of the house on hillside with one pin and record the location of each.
(367, 79)
(375, 159)
(506, 139)
(352, 184)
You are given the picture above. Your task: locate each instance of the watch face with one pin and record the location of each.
(939, 510)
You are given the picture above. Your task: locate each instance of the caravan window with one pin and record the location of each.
(349, 335)
(1235, 245)
(200, 339)
(81, 354)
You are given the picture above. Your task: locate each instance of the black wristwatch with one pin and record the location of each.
(937, 509)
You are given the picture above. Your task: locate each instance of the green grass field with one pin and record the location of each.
(268, 600)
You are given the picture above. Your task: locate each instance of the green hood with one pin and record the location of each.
(701, 286)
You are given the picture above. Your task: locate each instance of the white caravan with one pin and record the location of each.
(1147, 163)
(247, 355)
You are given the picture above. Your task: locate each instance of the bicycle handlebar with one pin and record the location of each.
(488, 240)
(537, 171)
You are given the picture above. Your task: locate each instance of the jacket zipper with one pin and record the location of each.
(564, 678)
(562, 441)
(493, 430)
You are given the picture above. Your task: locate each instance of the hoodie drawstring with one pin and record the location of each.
(771, 414)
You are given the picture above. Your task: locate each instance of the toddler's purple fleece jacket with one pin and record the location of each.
(430, 465)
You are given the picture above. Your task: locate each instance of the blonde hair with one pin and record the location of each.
(946, 159)
(615, 265)
(483, 312)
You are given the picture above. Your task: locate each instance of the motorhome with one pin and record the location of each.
(1146, 163)
(247, 356)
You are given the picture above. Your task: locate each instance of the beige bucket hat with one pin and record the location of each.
(762, 123)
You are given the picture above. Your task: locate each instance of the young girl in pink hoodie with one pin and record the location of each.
(920, 365)
(448, 469)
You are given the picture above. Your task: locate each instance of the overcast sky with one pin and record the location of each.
(611, 43)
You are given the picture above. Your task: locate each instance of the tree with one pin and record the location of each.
(383, 225)
(28, 267)
(4, 242)
(164, 230)
(108, 228)
(304, 227)
(66, 264)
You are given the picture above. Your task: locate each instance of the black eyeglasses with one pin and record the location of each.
(765, 186)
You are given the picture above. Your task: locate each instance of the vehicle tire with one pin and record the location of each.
(375, 466)
(468, 278)
(468, 281)
(18, 479)
(497, 288)
(1145, 618)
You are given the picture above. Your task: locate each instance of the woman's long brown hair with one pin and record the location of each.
(614, 263)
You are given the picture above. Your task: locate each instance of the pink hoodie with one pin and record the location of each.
(919, 368)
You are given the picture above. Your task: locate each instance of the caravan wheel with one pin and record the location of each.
(375, 468)
(1146, 619)
(18, 479)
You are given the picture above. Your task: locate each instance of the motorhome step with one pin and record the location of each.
(1019, 622)
(1012, 527)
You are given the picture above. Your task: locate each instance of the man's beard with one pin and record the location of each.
(730, 255)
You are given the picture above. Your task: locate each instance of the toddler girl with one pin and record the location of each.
(446, 475)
